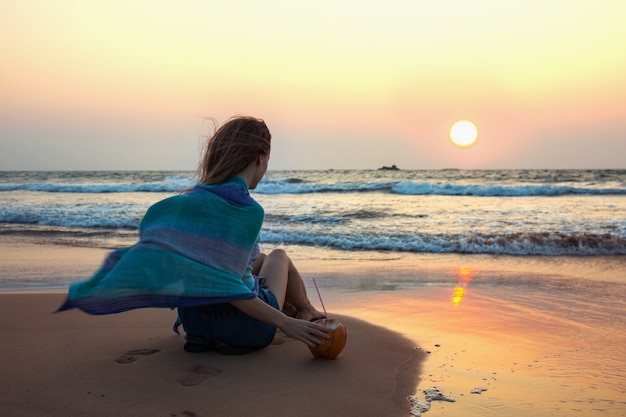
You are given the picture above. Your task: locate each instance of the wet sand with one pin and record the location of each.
(541, 341)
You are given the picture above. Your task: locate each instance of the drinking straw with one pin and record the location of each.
(320, 296)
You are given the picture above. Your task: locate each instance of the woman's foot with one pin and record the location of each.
(309, 314)
(289, 310)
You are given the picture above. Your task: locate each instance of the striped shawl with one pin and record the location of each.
(195, 248)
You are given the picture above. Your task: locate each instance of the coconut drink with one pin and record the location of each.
(332, 346)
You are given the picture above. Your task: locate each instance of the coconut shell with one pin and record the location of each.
(332, 347)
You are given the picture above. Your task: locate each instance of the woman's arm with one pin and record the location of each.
(302, 330)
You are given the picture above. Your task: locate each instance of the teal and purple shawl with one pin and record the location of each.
(194, 249)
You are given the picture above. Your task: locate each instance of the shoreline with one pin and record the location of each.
(34, 265)
(534, 332)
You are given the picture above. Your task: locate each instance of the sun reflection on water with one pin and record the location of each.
(465, 275)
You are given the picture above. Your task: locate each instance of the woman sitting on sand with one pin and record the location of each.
(198, 251)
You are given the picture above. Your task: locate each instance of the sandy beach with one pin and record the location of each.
(497, 337)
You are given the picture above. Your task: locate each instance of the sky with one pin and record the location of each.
(134, 85)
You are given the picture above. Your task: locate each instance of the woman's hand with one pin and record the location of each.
(305, 331)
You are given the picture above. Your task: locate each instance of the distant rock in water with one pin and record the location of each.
(391, 168)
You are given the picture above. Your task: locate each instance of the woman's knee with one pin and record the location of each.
(278, 254)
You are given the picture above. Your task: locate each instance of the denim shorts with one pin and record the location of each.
(226, 328)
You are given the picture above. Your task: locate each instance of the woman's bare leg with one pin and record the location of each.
(286, 283)
(288, 309)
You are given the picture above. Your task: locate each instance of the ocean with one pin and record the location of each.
(507, 212)
(517, 215)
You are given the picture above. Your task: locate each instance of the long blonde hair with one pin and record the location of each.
(232, 147)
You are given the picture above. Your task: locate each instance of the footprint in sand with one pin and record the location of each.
(133, 355)
(198, 374)
(184, 413)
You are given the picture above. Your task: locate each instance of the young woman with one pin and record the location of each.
(199, 252)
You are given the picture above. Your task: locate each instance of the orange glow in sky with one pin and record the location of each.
(543, 81)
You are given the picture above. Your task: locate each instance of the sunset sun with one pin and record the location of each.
(463, 133)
